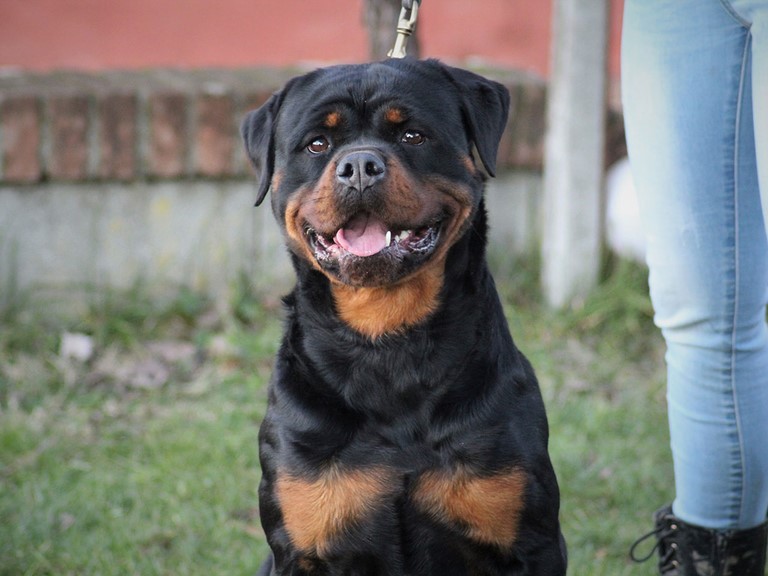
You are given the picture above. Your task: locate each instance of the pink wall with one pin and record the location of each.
(43, 35)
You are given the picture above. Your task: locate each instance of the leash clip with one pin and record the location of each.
(406, 24)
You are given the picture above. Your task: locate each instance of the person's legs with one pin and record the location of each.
(754, 15)
(687, 88)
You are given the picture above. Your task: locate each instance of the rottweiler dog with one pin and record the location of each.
(405, 433)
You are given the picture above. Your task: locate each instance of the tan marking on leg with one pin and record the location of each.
(487, 507)
(317, 510)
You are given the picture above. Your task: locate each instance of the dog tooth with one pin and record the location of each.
(388, 239)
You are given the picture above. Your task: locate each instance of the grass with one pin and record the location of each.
(601, 371)
(143, 459)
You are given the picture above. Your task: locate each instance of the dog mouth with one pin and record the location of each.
(365, 236)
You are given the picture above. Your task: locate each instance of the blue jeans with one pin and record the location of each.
(691, 71)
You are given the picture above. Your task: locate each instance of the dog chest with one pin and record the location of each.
(347, 505)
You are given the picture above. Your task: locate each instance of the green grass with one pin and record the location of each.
(601, 371)
(99, 475)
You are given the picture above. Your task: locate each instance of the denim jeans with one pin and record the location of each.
(695, 90)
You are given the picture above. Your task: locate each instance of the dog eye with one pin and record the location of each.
(413, 137)
(319, 145)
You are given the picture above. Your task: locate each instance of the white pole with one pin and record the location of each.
(573, 166)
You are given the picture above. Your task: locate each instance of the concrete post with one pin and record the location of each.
(573, 169)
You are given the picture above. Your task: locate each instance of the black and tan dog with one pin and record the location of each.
(405, 432)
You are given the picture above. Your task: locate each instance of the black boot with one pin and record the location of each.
(687, 550)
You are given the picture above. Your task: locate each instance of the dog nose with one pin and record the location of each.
(361, 169)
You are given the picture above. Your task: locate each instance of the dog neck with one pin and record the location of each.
(376, 311)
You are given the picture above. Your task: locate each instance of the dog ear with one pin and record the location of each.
(485, 105)
(258, 133)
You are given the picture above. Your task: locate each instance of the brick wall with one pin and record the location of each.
(123, 127)
(174, 125)
(171, 125)
(165, 124)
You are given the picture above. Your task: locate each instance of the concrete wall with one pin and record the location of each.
(199, 235)
(72, 241)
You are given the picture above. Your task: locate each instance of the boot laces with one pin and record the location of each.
(668, 563)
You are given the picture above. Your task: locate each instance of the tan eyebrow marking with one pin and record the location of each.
(332, 120)
(395, 115)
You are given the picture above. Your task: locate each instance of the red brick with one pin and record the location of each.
(69, 137)
(215, 135)
(526, 128)
(250, 102)
(117, 138)
(506, 143)
(20, 123)
(167, 135)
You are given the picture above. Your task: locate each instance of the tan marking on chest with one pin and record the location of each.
(317, 510)
(488, 507)
(377, 311)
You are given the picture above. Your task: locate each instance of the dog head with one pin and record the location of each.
(371, 166)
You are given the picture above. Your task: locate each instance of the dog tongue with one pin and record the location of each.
(364, 235)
